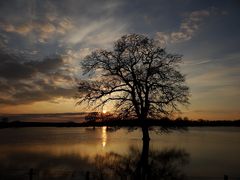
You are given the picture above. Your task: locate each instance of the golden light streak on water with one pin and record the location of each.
(104, 136)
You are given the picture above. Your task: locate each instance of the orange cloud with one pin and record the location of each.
(44, 30)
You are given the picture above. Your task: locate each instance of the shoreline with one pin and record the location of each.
(124, 123)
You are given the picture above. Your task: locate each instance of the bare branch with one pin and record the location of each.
(138, 77)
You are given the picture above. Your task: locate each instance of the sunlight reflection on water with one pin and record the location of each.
(104, 136)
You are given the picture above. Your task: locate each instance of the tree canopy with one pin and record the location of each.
(138, 77)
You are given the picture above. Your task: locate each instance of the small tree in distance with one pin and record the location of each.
(138, 77)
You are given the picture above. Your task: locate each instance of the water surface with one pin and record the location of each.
(208, 152)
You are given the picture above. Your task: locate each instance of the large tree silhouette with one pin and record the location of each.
(137, 76)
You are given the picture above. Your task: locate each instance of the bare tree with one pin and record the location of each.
(138, 77)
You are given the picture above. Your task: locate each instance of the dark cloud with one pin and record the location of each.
(15, 70)
(25, 81)
(49, 64)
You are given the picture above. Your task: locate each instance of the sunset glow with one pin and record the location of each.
(119, 89)
(42, 45)
(104, 111)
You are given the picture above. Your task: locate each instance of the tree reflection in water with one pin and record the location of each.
(136, 164)
(165, 164)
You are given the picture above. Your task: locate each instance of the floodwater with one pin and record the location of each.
(101, 153)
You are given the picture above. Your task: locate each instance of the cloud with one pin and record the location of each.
(35, 92)
(44, 30)
(15, 70)
(24, 81)
(188, 26)
(73, 23)
(196, 62)
(101, 33)
(217, 76)
(162, 38)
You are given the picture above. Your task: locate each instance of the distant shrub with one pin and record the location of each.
(5, 119)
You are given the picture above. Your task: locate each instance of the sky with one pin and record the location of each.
(42, 43)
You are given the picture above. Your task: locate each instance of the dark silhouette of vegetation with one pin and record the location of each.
(138, 77)
(93, 116)
(163, 123)
(5, 120)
